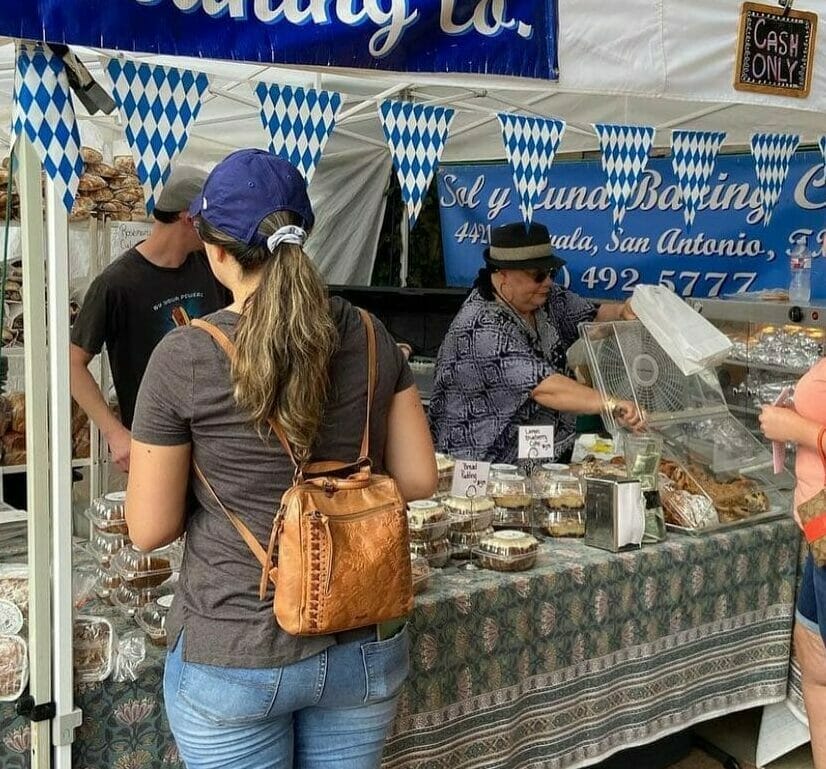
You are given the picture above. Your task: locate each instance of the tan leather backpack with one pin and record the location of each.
(338, 553)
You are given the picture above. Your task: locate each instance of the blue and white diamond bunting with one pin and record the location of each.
(299, 122)
(44, 112)
(416, 135)
(530, 144)
(693, 157)
(625, 151)
(772, 153)
(157, 105)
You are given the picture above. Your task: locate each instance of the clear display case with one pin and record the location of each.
(775, 343)
(709, 452)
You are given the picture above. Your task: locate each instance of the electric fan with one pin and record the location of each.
(689, 412)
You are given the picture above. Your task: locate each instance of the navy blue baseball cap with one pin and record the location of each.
(247, 186)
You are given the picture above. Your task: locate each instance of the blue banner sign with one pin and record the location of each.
(501, 37)
(727, 251)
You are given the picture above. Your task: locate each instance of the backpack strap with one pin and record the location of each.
(264, 557)
(372, 378)
(226, 344)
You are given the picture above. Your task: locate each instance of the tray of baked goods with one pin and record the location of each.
(696, 500)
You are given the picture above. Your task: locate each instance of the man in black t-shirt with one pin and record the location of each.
(147, 291)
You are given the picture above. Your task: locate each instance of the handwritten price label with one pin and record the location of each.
(470, 479)
(536, 442)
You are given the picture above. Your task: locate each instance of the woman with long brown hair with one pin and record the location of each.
(240, 692)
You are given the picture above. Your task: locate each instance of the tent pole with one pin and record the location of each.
(367, 103)
(405, 235)
(37, 446)
(67, 717)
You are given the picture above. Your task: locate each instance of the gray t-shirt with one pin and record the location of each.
(186, 397)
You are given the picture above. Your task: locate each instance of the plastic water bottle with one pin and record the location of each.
(800, 269)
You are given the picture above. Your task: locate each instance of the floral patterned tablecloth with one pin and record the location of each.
(587, 653)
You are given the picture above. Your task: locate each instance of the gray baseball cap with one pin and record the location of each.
(182, 187)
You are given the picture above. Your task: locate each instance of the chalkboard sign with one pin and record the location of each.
(775, 50)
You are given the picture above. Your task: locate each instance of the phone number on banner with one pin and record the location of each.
(604, 279)
(683, 282)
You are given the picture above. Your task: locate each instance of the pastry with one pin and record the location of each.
(93, 647)
(437, 551)
(426, 520)
(507, 551)
(17, 401)
(124, 164)
(91, 155)
(90, 183)
(14, 586)
(462, 542)
(14, 667)
(420, 570)
(444, 468)
(565, 523)
(468, 514)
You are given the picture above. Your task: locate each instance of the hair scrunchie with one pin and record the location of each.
(290, 233)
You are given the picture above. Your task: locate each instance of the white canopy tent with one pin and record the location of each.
(664, 63)
(655, 62)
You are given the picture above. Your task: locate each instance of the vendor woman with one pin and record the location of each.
(503, 361)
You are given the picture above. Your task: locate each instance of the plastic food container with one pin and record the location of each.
(561, 492)
(108, 513)
(510, 491)
(94, 645)
(146, 569)
(426, 520)
(507, 551)
(462, 542)
(14, 586)
(130, 597)
(105, 545)
(444, 467)
(564, 523)
(421, 573)
(436, 552)
(14, 667)
(106, 583)
(152, 617)
(469, 514)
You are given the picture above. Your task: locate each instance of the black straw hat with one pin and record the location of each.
(513, 247)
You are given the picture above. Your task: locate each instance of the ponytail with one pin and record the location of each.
(286, 335)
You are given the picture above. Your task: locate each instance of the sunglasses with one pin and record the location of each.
(539, 276)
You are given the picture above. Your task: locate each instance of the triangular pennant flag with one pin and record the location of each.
(157, 105)
(299, 122)
(822, 144)
(416, 135)
(625, 151)
(44, 112)
(530, 144)
(693, 157)
(772, 153)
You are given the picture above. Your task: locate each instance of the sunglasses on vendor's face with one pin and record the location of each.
(539, 276)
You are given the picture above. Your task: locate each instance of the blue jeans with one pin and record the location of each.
(811, 599)
(331, 710)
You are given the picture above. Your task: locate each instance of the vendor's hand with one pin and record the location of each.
(627, 313)
(779, 423)
(628, 415)
(120, 445)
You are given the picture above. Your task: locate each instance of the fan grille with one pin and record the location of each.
(632, 366)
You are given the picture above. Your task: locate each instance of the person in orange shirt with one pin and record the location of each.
(805, 425)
